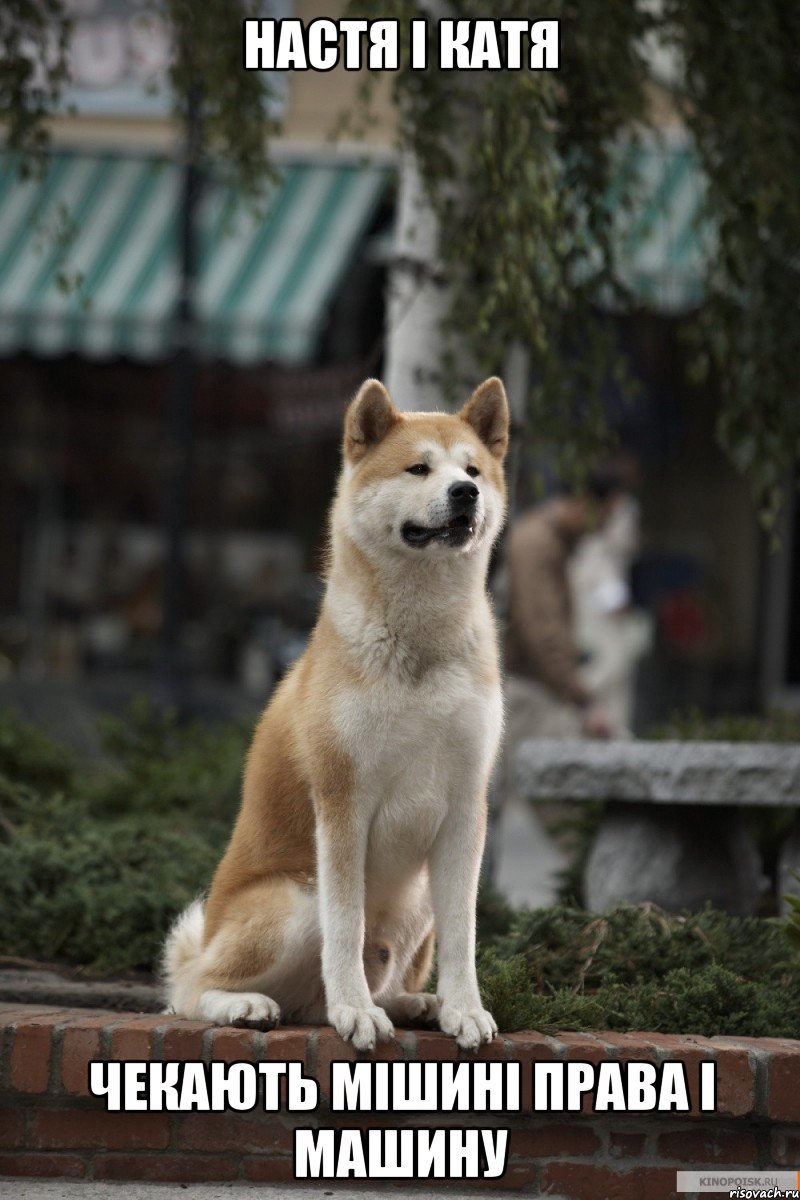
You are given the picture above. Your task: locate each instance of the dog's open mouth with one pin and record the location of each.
(456, 532)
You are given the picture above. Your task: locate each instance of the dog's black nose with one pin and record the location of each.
(462, 494)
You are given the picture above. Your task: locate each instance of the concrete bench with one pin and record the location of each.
(672, 832)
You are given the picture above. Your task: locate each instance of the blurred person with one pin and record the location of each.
(611, 634)
(547, 695)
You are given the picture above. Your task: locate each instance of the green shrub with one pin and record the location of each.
(692, 725)
(638, 968)
(160, 765)
(96, 862)
(792, 924)
(100, 895)
(30, 756)
(567, 947)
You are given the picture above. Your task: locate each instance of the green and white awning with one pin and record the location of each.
(662, 244)
(88, 257)
(88, 252)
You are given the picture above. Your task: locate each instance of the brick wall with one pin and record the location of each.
(51, 1126)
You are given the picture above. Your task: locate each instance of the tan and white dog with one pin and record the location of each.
(364, 802)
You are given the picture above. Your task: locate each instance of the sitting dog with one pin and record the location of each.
(363, 814)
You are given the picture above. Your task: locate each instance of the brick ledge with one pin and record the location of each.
(51, 1126)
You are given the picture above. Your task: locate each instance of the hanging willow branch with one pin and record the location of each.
(34, 36)
(207, 41)
(528, 195)
(742, 81)
(518, 167)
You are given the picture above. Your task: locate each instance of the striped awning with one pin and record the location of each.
(89, 254)
(663, 246)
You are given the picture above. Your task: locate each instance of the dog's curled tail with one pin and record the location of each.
(182, 950)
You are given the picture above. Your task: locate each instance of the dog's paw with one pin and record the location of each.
(250, 1009)
(469, 1026)
(413, 1006)
(361, 1026)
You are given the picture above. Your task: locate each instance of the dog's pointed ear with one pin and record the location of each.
(487, 412)
(369, 418)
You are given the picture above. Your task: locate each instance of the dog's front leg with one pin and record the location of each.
(341, 856)
(454, 866)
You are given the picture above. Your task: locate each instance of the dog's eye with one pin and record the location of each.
(419, 469)
(472, 471)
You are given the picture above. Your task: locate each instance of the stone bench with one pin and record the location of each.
(672, 832)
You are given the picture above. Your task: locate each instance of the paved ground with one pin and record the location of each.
(35, 1189)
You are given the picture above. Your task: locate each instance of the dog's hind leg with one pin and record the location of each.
(419, 969)
(263, 958)
(251, 1009)
(409, 1004)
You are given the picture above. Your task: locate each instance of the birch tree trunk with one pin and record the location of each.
(418, 298)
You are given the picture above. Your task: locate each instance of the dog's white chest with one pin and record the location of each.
(392, 731)
(415, 751)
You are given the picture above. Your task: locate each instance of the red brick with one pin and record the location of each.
(166, 1168)
(785, 1147)
(735, 1072)
(233, 1045)
(493, 1051)
(517, 1177)
(269, 1170)
(331, 1048)
(583, 1047)
(736, 1082)
(183, 1041)
(658, 1183)
(579, 1181)
(80, 1016)
(12, 1128)
(658, 1047)
(730, 1100)
(11, 1013)
(784, 1084)
(395, 1050)
(133, 1041)
(554, 1141)
(80, 1045)
(769, 1044)
(287, 1045)
(435, 1047)
(53, 1166)
(31, 1053)
(235, 1132)
(578, 1045)
(530, 1046)
(389, 1120)
(626, 1145)
(709, 1147)
(634, 1045)
(526, 1049)
(73, 1129)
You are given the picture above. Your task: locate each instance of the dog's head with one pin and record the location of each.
(427, 484)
